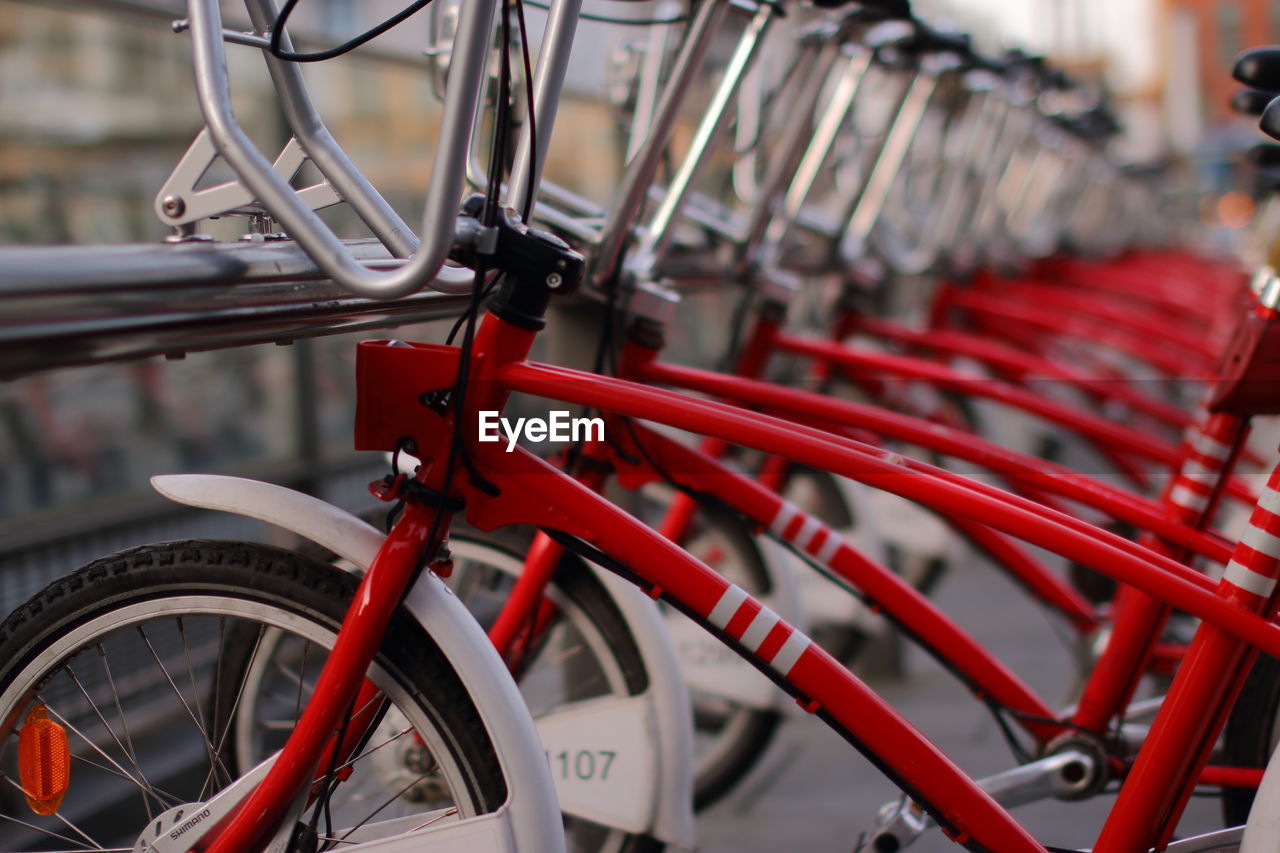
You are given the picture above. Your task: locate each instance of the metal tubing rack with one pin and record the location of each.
(66, 306)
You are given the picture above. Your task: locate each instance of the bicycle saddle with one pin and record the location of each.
(1265, 160)
(1000, 66)
(1264, 155)
(880, 8)
(1270, 121)
(1259, 68)
(929, 40)
(1251, 102)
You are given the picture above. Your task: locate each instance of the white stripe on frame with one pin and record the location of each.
(808, 528)
(1187, 499)
(727, 606)
(1249, 580)
(829, 547)
(1198, 473)
(759, 628)
(1270, 500)
(790, 652)
(1207, 445)
(1261, 541)
(786, 512)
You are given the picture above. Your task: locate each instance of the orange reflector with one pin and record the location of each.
(44, 761)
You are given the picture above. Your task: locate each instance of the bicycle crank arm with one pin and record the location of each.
(1065, 773)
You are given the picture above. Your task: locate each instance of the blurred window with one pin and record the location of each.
(1230, 32)
(338, 17)
(60, 51)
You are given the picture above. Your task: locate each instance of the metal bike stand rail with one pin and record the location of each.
(65, 306)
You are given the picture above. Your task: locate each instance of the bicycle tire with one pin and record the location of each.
(1251, 733)
(589, 606)
(197, 588)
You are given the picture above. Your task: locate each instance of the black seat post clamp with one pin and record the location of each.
(536, 264)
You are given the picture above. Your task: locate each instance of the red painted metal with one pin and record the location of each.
(539, 564)
(909, 608)
(1171, 362)
(1195, 708)
(533, 492)
(1139, 618)
(1190, 339)
(358, 639)
(1086, 424)
(1020, 365)
(1018, 468)
(1113, 556)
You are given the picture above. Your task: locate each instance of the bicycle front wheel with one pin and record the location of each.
(128, 657)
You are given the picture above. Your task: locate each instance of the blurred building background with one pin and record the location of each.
(96, 107)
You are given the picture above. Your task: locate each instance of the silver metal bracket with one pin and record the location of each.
(180, 203)
(1062, 774)
(652, 300)
(1266, 285)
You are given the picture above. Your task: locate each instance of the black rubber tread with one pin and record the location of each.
(1250, 732)
(278, 577)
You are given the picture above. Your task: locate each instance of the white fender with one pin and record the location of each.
(1262, 831)
(673, 820)
(531, 805)
(666, 703)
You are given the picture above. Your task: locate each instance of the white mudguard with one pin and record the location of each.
(532, 814)
(652, 756)
(1262, 831)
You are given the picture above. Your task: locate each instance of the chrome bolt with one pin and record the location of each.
(173, 206)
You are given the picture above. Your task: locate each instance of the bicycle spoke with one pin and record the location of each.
(53, 712)
(191, 674)
(351, 762)
(159, 793)
(131, 751)
(52, 834)
(390, 800)
(235, 706)
(92, 844)
(302, 668)
(186, 707)
(129, 755)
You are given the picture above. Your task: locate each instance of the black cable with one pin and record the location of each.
(745, 300)
(609, 346)
(277, 34)
(1015, 746)
(777, 6)
(489, 217)
(527, 209)
(322, 802)
(1050, 721)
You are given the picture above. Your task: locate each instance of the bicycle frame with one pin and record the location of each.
(533, 492)
(1032, 475)
(759, 505)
